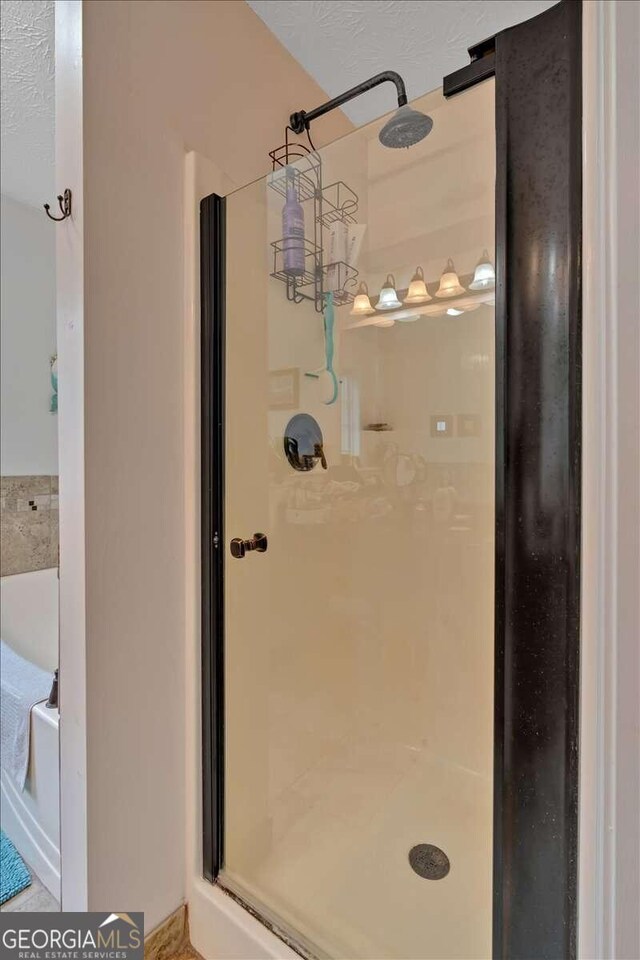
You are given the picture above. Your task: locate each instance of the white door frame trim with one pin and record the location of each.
(610, 688)
(70, 337)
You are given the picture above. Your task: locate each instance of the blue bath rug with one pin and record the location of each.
(14, 875)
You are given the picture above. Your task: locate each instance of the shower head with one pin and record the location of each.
(406, 127)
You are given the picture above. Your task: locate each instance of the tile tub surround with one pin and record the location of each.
(28, 524)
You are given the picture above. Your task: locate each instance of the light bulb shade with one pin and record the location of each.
(449, 283)
(417, 292)
(467, 308)
(484, 277)
(388, 299)
(385, 322)
(361, 303)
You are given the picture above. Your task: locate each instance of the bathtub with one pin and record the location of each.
(31, 817)
(29, 616)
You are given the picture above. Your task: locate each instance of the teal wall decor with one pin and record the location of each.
(53, 365)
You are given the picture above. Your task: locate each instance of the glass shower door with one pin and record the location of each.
(359, 525)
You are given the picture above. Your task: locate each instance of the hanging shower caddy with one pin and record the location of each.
(329, 204)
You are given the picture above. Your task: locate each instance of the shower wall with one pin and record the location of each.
(359, 648)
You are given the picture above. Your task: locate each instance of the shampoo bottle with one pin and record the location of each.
(293, 230)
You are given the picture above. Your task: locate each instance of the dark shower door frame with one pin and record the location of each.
(537, 69)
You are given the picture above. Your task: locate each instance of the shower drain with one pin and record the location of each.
(429, 862)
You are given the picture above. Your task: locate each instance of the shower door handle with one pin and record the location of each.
(240, 547)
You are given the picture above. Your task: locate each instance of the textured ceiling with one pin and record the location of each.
(341, 42)
(27, 35)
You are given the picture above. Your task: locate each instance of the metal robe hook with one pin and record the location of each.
(64, 202)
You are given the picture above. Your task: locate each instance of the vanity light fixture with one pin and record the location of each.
(449, 283)
(452, 312)
(484, 277)
(388, 299)
(417, 292)
(361, 303)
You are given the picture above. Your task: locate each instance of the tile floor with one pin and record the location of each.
(34, 898)
(37, 898)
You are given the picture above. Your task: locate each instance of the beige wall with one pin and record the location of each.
(28, 430)
(160, 78)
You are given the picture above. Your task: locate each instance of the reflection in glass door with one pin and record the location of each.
(359, 528)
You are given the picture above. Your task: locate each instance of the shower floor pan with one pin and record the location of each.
(338, 871)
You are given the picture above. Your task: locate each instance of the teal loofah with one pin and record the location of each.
(14, 875)
(328, 342)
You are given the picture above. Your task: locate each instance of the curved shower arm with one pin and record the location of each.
(300, 121)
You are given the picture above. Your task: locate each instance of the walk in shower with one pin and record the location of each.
(390, 469)
(358, 695)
